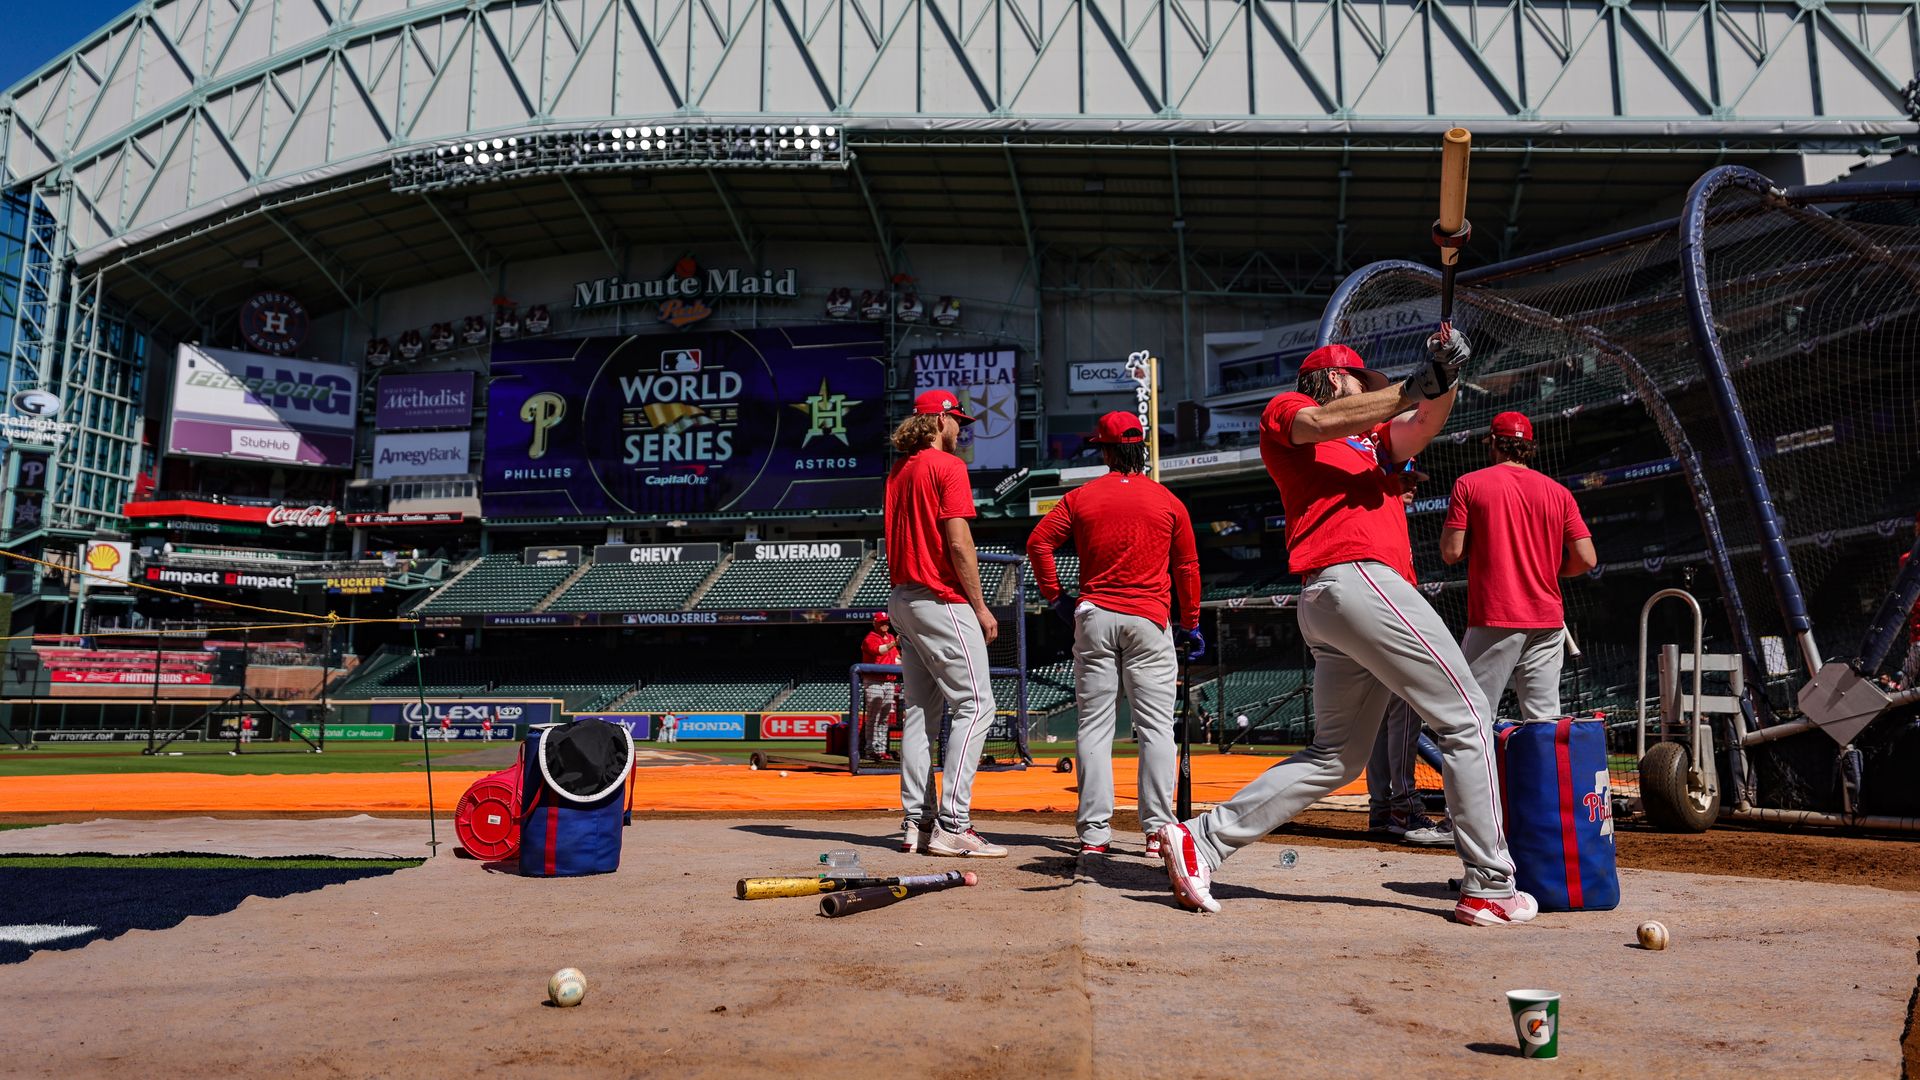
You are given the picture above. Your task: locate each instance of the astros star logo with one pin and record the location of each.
(827, 412)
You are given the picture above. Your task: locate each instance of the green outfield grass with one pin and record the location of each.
(261, 759)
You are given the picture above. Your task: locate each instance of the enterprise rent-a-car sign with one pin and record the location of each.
(773, 419)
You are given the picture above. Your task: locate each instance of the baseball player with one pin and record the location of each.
(1520, 532)
(1910, 667)
(1137, 554)
(938, 608)
(669, 728)
(880, 646)
(1393, 802)
(1371, 632)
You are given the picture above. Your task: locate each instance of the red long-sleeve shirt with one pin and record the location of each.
(1136, 545)
(880, 648)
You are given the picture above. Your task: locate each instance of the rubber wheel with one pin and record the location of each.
(757, 760)
(1670, 804)
(1065, 764)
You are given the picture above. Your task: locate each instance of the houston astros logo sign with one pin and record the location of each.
(274, 323)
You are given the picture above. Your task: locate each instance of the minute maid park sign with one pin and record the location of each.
(685, 294)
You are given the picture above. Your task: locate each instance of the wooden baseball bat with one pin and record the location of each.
(840, 904)
(1451, 229)
(767, 888)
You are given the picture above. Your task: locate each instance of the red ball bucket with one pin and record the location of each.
(488, 817)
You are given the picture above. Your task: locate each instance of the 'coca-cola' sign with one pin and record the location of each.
(300, 517)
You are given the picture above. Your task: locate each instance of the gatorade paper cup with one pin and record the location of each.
(1536, 1021)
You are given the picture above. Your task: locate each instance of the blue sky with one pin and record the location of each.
(36, 31)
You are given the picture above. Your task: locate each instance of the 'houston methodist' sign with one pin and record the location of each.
(414, 402)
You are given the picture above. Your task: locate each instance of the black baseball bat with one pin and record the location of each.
(840, 904)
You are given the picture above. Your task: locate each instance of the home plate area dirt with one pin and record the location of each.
(1342, 964)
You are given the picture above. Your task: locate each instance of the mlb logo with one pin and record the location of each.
(680, 360)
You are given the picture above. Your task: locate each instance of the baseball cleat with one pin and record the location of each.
(1438, 834)
(1153, 844)
(966, 844)
(1093, 849)
(914, 839)
(1192, 881)
(1496, 910)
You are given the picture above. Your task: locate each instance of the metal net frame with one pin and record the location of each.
(1760, 349)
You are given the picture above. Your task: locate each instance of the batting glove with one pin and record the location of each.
(1063, 606)
(1448, 356)
(1192, 641)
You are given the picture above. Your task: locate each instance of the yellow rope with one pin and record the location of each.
(330, 616)
(332, 620)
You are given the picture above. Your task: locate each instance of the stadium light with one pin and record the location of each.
(623, 148)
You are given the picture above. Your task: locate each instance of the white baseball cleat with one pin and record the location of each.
(914, 839)
(1192, 881)
(1153, 844)
(1433, 834)
(1496, 910)
(966, 844)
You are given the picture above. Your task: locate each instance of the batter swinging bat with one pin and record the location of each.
(766, 888)
(1452, 229)
(837, 905)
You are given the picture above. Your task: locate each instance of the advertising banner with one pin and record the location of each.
(763, 550)
(461, 732)
(638, 725)
(129, 678)
(434, 517)
(656, 553)
(1099, 377)
(985, 381)
(774, 419)
(357, 586)
(462, 712)
(796, 725)
(417, 402)
(231, 404)
(422, 453)
(107, 735)
(157, 574)
(349, 732)
(562, 555)
(712, 726)
(107, 562)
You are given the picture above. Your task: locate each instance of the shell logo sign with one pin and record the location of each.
(107, 561)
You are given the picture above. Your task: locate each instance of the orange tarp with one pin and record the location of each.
(693, 787)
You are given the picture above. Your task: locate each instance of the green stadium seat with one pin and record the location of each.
(633, 587)
(779, 584)
(497, 583)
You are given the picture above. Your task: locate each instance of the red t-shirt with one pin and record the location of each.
(1341, 507)
(1134, 538)
(870, 653)
(1518, 526)
(923, 491)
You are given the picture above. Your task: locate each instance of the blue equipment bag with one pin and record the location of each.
(572, 776)
(1559, 811)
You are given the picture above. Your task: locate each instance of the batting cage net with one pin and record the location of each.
(1734, 400)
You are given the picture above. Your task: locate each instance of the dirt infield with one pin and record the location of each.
(1343, 965)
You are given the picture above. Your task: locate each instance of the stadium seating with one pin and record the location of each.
(706, 695)
(753, 583)
(440, 675)
(1066, 564)
(497, 583)
(633, 587)
(875, 587)
(818, 695)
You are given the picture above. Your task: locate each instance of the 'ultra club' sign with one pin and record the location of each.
(685, 294)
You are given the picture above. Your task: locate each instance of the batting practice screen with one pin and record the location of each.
(774, 419)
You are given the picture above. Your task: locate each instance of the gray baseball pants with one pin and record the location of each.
(1373, 635)
(878, 697)
(1390, 789)
(944, 661)
(1527, 660)
(1114, 653)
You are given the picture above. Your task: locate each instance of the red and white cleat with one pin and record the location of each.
(1153, 844)
(1093, 849)
(1496, 910)
(1192, 881)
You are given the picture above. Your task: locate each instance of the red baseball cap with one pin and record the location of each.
(1340, 356)
(1513, 425)
(940, 403)
(1116, 428)
(881, 616)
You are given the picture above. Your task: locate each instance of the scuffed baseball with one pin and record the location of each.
(1653, 935)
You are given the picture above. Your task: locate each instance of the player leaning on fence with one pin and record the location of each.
(940, 613)
(1372, 633)
(1520, 533)
(1137, 553)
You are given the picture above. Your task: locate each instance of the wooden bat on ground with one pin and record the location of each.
(1452, 229)
(837, 905)
(766, 888)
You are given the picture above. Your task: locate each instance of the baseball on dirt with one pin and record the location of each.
(1653, 935)
(783, 772)
(567, 987)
